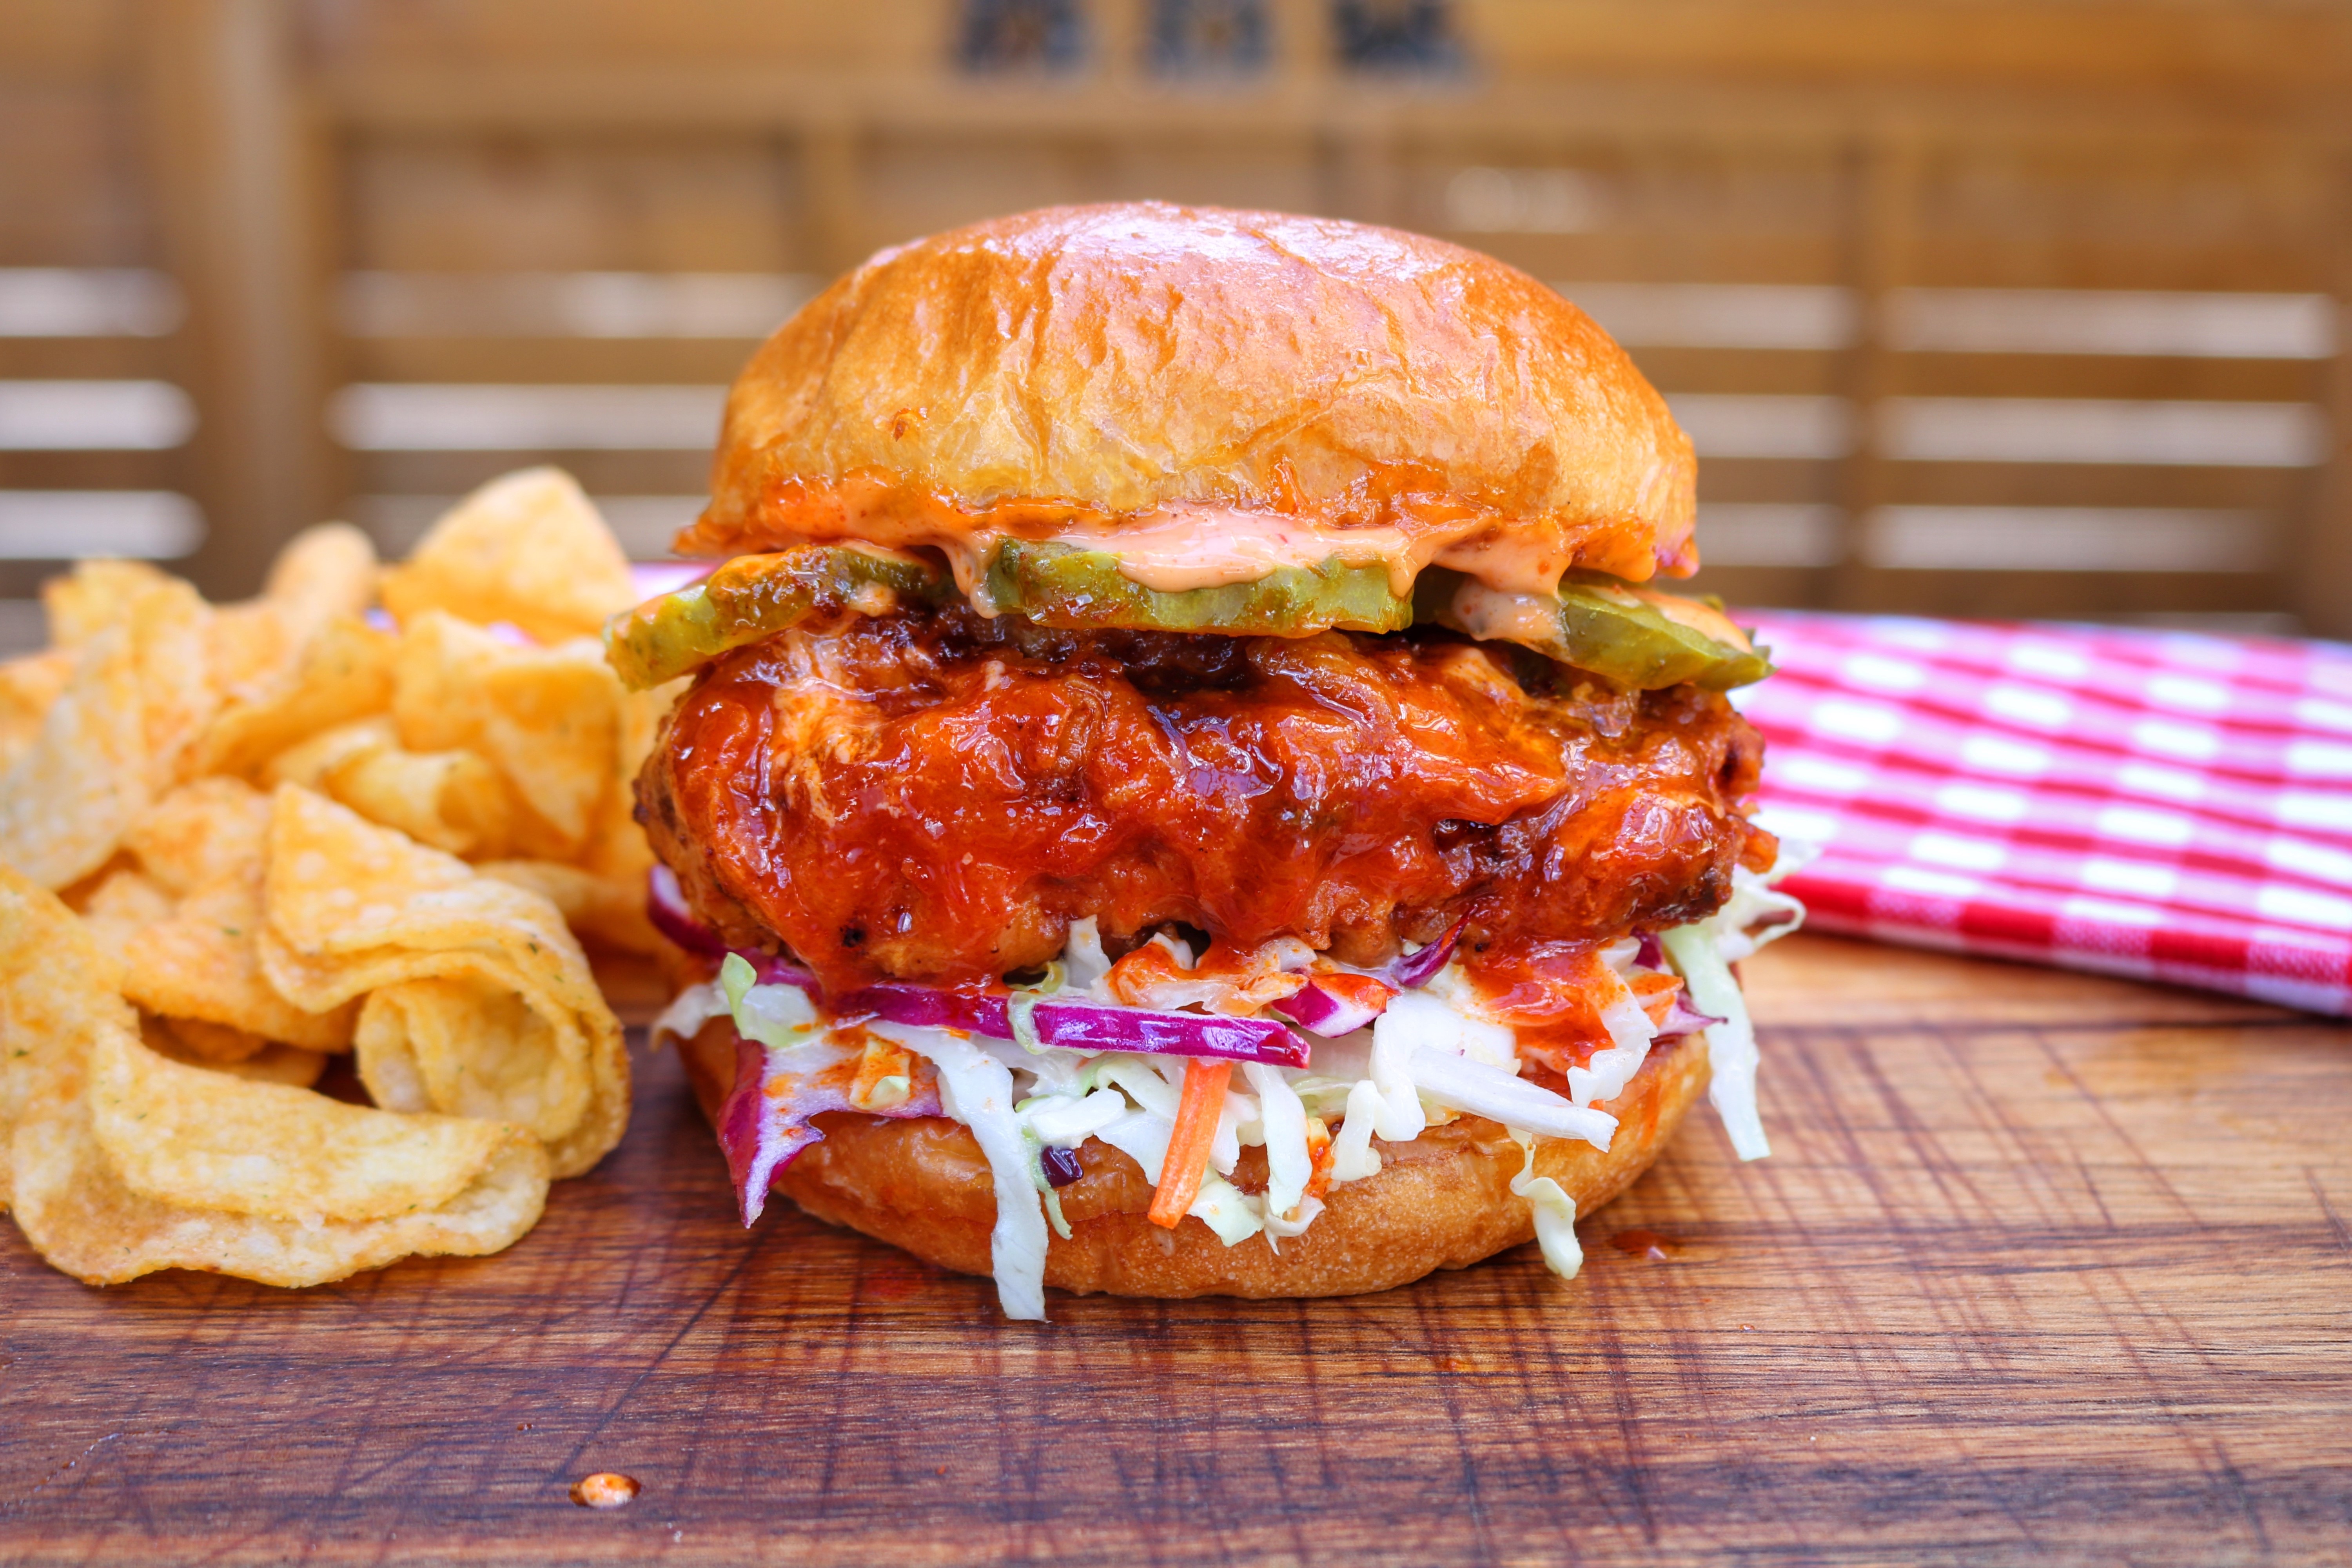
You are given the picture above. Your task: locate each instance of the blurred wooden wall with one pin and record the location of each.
(1941, 287)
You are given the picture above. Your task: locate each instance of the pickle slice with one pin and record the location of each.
(1060, 586)
(754, 596)
(1634, 637)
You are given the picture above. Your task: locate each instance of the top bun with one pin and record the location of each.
(1101, 374)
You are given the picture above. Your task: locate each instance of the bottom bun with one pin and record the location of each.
(1442, 1201)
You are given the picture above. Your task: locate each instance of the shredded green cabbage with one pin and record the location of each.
(1555, 1213)
(736, 976)
(1353, 1158)
(1227, 1210)
(977, 1091)
(1034, 1148)
(777, 1016)
(1021, 1013)
(1397, 1114)
(689, 1011)
(1731, 1054)
(1288, 1165)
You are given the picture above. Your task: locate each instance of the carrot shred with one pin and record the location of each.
(1188, 1145)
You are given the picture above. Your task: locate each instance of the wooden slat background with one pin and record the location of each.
(2044, 1268)
(260, 151)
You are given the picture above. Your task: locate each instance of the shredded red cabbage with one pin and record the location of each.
(666, 906)
(1090, 1026)
(1061, 1165)
(1417, 970)
(768, 1119)
(1653, 953)
(1330, 1006)
(1681, 1019)
(1319, 1012)
(928, 1007)
(771, 971)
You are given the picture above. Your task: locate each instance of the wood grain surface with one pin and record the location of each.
(2044, 1270)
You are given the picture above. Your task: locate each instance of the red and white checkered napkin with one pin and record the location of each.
(2160, 805)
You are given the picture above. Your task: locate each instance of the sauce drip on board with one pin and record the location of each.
(1646, 1244)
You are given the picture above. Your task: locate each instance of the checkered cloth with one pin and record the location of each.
(2159, 805)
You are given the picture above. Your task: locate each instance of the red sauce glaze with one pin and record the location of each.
(1548, 991)
(936, 796)
(1645, 1242)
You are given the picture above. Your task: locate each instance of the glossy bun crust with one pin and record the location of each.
(1107, 361)
(1442, 1201)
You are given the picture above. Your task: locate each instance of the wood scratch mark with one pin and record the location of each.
(19, 1502)
(2334, 1220)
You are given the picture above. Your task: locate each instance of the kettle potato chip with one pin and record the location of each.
(469, 1043)
(205, 1045)
(169, 626)
(344, 673)
(185, 923)
(57, 993)
(352, 908)
(249, 647)
(549, 720)
(277, 1064)
(27, 687)
(115, 736)
(327, 572)
(323, 573)
(609, 909)
(208, 1140)
(95, 596)
(450, 801)
(204, 831)
(86, 1220)
(529, 549)
(314, 760)
(119, 905)
(616, 849)
(266, 1063)
(179, 951)
(60, 1015)
(68, 800)
(203, 962)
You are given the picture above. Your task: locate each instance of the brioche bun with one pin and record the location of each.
(1442, 1201)
(1093, 366)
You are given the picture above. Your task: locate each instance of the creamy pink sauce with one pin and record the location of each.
(1492, 616)
(1534, 618)
(1184, 546)
(1177, 549)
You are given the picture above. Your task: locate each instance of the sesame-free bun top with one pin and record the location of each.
(1208, 393)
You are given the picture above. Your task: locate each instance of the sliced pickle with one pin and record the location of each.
(755, 596)
(1634, 637)
(1059, 585)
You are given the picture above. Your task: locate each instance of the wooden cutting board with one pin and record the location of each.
(2044, 1268)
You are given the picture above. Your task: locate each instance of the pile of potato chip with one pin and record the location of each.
(374, 811)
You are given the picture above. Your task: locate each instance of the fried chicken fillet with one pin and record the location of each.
(938, 796)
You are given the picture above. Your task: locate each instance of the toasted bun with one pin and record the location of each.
(1442, 1201)
(1093, 366)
